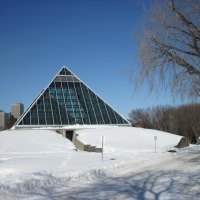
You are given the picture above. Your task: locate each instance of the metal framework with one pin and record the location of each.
(69, 101)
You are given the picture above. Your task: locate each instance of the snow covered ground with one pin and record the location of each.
(129, 139)
(41, 164)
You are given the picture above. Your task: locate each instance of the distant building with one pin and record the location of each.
(17, 110)
(3, 119)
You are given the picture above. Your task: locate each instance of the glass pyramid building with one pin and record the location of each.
(67, 101)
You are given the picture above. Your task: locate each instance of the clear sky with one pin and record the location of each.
(94, 38)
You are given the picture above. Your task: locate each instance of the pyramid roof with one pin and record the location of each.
(68, 101)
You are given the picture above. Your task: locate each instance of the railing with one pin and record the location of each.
(85, 147)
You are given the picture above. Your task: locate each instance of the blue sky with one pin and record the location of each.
(94, 38)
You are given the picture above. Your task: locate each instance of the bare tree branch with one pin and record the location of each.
(169, 47)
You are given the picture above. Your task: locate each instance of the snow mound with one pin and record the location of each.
(41, 164)
(129, 139)
(33, 141)
(33, 150)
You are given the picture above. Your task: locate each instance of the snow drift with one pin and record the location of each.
(33, 141)
(128, 139)
(32, 150)
(41, 164)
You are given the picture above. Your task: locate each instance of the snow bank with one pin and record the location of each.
(31, 182)
(128, 139)
(23, 151)
(41, 164)
(33, 141)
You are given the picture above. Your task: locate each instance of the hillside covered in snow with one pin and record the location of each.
(41, 164)
(129, 139)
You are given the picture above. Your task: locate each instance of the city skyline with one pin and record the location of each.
(95, 39)
(9, 111)
(7, 119)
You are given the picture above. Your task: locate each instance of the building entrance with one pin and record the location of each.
(69, 135)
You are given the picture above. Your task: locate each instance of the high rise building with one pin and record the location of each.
(68, 101)
(17, 110)
(3, 119)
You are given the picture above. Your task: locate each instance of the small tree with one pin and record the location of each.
(11, 121)
(140, 118)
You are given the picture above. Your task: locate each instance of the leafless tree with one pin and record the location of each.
(182, 120)
(140, 118)
(169, 47)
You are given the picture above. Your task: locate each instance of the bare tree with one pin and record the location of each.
(140, 118)
(182, 120)
(169, 47)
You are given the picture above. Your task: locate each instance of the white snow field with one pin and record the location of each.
(129, 139)
(41, 164)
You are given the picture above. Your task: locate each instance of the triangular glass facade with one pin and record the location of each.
(68, 101)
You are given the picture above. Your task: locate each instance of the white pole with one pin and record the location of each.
(102, 141)
(155, 138)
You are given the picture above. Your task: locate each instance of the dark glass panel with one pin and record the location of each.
(41, 112)
(96, 108)
(64, 71)
(111, 114)
(48, 108)
(34, 116)
(89, 105)
(83, 106)
(61, 103)
(56, 114)
(104, 111)
(75, 103)
(26, 119)
(120, 119)
(67, 91)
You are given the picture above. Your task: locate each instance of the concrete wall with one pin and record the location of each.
(78, 144)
